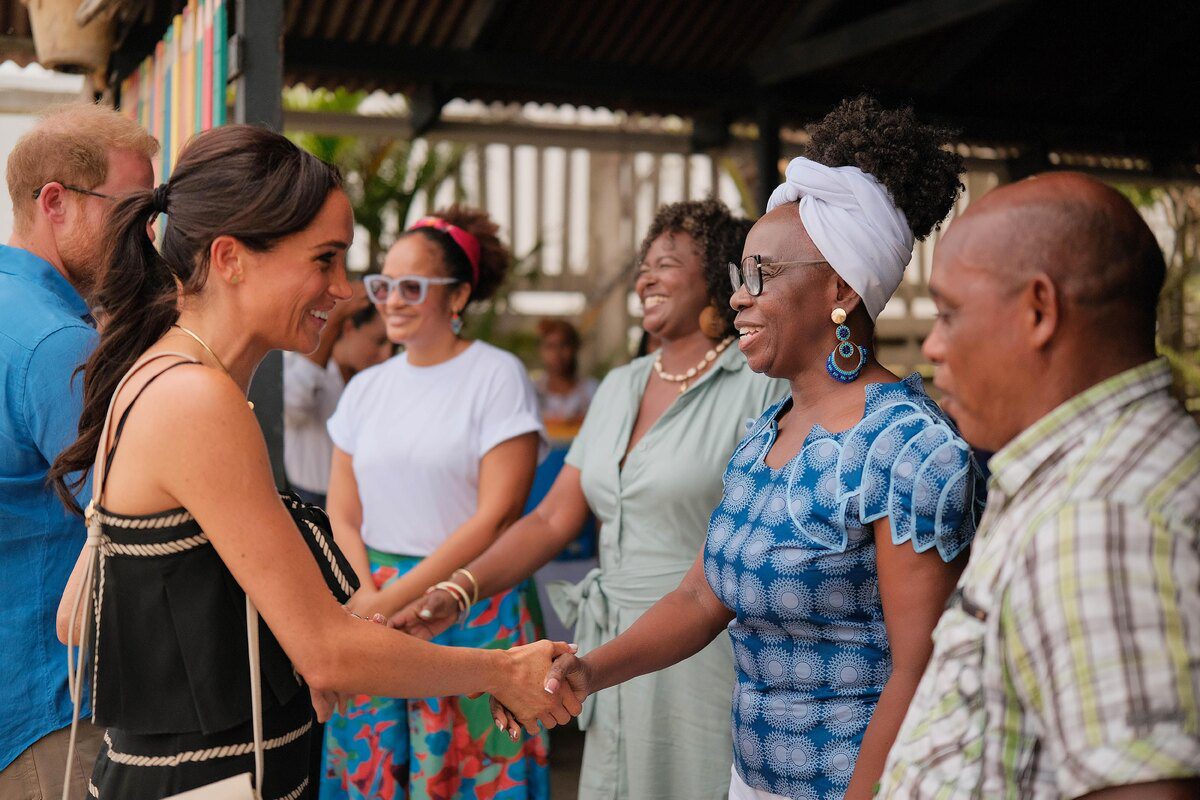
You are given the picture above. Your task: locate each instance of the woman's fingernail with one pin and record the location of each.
(425, 613)
(574, 647)
(499, 724)
(379, 618)
(551, 686)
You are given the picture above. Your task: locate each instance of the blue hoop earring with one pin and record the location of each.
(846, 349)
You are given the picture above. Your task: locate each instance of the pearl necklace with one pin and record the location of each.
(686, 378)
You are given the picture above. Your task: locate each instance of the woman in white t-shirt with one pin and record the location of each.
(434, 454)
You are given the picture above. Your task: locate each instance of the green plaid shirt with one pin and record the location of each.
(1068, 659)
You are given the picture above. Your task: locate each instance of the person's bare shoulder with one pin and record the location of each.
(194, 403)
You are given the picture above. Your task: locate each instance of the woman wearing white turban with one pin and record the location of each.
(848, 509)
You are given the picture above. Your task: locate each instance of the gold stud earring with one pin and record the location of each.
(236, 279)
(838, 316)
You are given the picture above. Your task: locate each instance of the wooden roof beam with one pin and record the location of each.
(868, 35)
(480, 18)
(450, 68)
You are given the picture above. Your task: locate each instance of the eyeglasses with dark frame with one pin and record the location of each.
(749, 272)
(38, 192)
(412, 288)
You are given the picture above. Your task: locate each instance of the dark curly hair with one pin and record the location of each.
(494, 257)
(719, 235)
(905, 156)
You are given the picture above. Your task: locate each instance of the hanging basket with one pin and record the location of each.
(62, 44)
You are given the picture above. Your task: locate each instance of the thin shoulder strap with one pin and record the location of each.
(112, 448)
(100, 478)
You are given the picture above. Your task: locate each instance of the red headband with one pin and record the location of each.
(465, 241)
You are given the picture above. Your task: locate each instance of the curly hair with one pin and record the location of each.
(494, 256)
(719, 235)
(908, 158)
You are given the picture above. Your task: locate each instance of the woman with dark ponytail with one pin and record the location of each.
(188, 537)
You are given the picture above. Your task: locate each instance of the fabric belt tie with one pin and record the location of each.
(591, 607)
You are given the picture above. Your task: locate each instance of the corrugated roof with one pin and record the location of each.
(1065, 74)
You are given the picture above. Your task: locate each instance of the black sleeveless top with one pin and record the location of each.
(170, 653)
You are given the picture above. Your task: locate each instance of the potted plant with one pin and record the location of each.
(63, 44)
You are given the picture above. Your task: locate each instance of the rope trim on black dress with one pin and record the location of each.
(207, 754)
(145, 523)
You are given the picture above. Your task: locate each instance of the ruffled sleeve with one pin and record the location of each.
(904, 461)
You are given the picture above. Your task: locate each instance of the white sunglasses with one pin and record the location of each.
(412, 288)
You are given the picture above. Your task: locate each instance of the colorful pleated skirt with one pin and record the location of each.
(442, 748)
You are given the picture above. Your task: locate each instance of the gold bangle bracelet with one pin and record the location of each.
(458, 593)
(441, 587)
(474, 583)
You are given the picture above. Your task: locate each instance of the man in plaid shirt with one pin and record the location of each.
(1067, 663)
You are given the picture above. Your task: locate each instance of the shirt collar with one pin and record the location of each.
(1015, 463)
(24, 264)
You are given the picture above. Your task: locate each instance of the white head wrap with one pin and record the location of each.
(854, 223)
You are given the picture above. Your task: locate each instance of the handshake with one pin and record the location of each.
(543, 682)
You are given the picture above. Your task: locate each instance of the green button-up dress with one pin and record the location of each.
(663, 736)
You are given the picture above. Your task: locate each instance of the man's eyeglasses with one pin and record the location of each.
(38, 192)
(749, 272)
(412, 288)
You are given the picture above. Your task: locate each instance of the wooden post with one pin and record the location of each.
(610, 231)
(767, 154)
(260, 102)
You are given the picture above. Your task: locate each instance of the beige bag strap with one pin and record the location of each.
(255, 692)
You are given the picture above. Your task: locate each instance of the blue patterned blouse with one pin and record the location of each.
(788, 552)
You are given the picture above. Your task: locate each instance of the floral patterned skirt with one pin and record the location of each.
(442, 748)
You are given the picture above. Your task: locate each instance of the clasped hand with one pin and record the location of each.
(559, 689)
(549, 686)
(428, 615)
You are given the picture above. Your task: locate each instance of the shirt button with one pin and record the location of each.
(968, 682)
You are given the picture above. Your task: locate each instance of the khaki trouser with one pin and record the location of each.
(37, 774)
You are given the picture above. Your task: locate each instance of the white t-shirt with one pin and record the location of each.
(417, 435)
(310, 395)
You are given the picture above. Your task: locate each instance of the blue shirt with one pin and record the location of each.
(44, 337)
(791, 552)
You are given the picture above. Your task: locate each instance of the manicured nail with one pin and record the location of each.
(425, 613)
(551, 686)
(513, 735)
(574, 647)
(499, 724)
(379, 619)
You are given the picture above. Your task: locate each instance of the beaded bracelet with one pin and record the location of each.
(474, 583)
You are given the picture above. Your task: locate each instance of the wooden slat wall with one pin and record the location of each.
(645, 180)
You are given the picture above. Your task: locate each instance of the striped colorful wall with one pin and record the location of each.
(180, 89)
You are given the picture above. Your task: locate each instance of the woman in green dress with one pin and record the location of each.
(648, 463)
